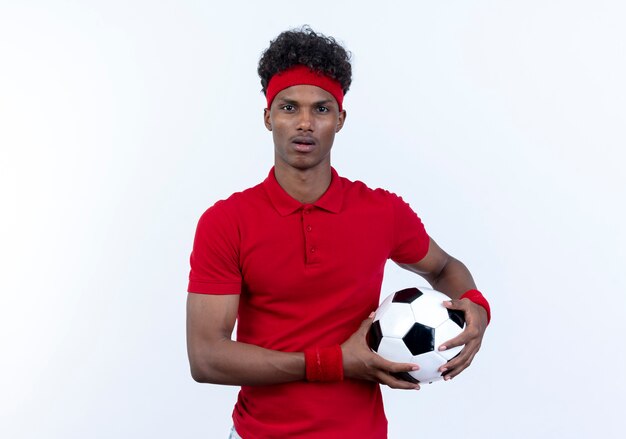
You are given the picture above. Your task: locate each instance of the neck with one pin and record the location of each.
(306, 186)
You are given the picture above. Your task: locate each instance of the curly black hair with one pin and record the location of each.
(304, 46)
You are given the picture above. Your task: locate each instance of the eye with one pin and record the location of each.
(322, 109)
(288, 107)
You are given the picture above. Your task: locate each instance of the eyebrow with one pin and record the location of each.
(292, 102)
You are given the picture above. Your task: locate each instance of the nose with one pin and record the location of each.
(305, 121)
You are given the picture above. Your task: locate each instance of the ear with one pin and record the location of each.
(266, 119)
(340, 120)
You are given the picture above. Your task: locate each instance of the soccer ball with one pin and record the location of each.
(410, 325)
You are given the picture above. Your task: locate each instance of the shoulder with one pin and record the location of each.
(225, 214)
(359, 190)
(235, 202)
(359, 196)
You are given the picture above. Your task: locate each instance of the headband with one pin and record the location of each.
(301, 74)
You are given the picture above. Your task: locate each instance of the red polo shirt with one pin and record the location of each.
(308, 274)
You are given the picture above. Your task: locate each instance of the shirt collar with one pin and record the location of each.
(331, 200)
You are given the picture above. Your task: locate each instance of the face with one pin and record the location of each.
(303, 120)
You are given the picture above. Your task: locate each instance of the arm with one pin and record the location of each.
(450, 276)
(215, 358)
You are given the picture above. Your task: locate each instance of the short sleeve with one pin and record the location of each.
(410, 240)
(215, 256)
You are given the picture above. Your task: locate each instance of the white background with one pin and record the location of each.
(502, 123)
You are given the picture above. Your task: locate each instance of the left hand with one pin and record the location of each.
(471, 337)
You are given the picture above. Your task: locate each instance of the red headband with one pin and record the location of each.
(301, 74)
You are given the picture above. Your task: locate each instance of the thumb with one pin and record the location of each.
(453, 304)
(365, 324)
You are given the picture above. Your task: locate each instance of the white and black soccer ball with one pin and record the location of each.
(410, 325)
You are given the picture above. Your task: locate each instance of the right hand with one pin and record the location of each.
(359, 362)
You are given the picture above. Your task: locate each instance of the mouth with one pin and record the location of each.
(303, 143)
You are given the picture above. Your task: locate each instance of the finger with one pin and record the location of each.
(396, 383)
(390, 373)
(459, 340)
(458, 364)
(469, 334)
(393, 367)
(455, 371)
(454, 366)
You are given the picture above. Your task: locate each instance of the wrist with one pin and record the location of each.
(476, 297)
(324, 364)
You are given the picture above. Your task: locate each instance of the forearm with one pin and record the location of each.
(454, 279)
(215, 358)
(451, 277)
(229, 362)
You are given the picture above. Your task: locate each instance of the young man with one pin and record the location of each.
(299, 261)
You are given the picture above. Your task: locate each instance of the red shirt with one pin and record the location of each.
(308, 274)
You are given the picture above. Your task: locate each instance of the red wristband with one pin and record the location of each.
(324, 364)
(477, 297)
